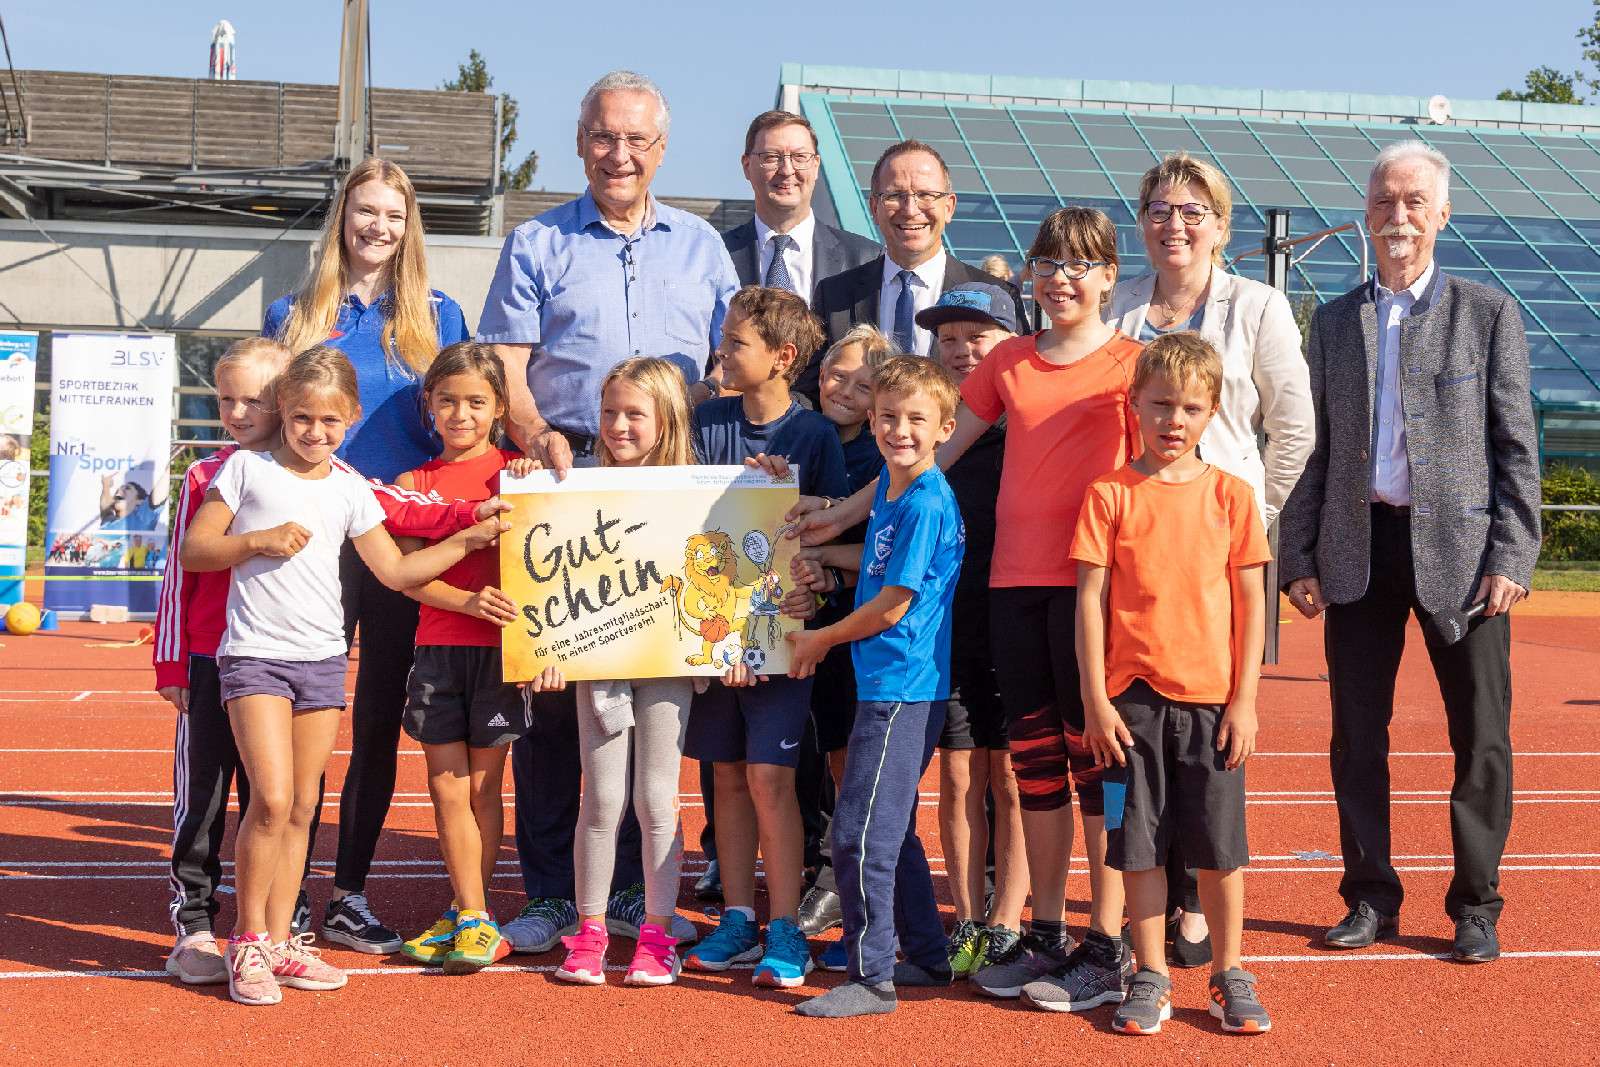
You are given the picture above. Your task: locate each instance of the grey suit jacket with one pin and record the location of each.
(1471, 446)
(832, 250)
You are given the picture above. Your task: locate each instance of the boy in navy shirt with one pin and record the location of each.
(752, 732)
(900, 634)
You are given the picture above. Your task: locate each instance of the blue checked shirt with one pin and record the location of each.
(587, 298)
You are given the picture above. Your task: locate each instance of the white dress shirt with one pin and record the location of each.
(927, 282)
(1391, 478)
(797, 256)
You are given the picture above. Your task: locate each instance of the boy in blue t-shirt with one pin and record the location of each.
(900, 634)
(750, 732)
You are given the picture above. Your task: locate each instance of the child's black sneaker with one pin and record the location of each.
(349, 921)
(1233, 1000)
(1147, 1005)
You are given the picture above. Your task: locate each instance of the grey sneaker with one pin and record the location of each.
(625, 911)
(1233, 1000)
(1077, 985)
(1030, 958)
(541, 924)
(1147, 1005)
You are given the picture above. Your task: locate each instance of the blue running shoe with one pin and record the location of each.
(834, 957)
(788, 957)
(734, 941)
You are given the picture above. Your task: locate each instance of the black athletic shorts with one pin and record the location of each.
(833, 692)
(454, 693)
(1176, 788)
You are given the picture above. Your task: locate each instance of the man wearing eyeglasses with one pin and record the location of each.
(785, 246)
(609, 276)
(912, 201)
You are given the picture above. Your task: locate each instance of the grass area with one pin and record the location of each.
(1573, 578)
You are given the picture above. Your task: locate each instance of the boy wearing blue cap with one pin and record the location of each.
(974, 753)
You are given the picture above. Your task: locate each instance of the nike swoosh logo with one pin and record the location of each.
(787, 747)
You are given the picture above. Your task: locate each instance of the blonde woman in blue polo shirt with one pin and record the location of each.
(367, 295)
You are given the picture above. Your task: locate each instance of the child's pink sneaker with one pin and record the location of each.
(299, 966)
(250, 960)
(655, 961)
(586, 955)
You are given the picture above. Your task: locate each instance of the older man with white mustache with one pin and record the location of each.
(1421, 496)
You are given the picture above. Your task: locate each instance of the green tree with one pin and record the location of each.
(473, 77)
(1589, 37)
(1546, 85)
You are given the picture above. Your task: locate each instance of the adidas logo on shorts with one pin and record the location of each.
(498, 720)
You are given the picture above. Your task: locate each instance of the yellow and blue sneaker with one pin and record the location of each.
(478, 944)
(966, 948)
(432, 945)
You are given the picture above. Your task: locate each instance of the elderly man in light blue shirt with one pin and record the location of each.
(609, 276)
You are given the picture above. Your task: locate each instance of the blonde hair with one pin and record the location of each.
(410, 328)
(875, 347)
(272, 356)
(910, 375)
(1180, 356)
(323, 370)
(662, 382)
(1181, 168)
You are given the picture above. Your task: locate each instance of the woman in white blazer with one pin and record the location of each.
(1184, 212)
(1184, 208)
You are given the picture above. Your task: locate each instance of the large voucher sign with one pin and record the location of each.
(110, 450)
(647, 572)
(18, 357)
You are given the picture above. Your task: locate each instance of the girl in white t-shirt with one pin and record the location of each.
(278, 520)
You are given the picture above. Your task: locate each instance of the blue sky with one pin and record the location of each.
(718, 60)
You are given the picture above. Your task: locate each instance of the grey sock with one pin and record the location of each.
(850, 999)
(907, 973)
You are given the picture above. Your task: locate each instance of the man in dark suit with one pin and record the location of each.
(911, 203)
(1421, 496)
(784, 246)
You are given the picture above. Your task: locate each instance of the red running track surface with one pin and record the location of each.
(85, 780)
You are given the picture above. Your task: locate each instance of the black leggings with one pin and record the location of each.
(388, 622)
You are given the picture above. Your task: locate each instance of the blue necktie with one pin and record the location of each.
(778, 270)
(905, 310)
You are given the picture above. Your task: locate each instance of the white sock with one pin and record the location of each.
(748, 913)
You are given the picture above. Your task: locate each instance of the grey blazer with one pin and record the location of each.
(832, 250)
(1471, 446)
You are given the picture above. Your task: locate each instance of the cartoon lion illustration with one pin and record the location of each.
(714, 603)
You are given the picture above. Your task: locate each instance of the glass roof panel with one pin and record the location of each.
(1525, 204)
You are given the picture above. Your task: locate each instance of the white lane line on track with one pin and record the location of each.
(412, 972)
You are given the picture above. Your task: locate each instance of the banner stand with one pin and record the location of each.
(19, 354)
(110, 440)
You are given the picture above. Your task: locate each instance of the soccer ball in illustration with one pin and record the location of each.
(754, 658)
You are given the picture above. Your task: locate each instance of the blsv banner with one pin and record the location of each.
(18, 357)
(647, 572)
(110, 441)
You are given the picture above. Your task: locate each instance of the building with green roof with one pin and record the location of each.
(1525, 188)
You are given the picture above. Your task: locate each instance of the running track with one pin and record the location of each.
(85, 778)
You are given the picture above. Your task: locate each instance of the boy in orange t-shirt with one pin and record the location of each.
(1171, 621)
